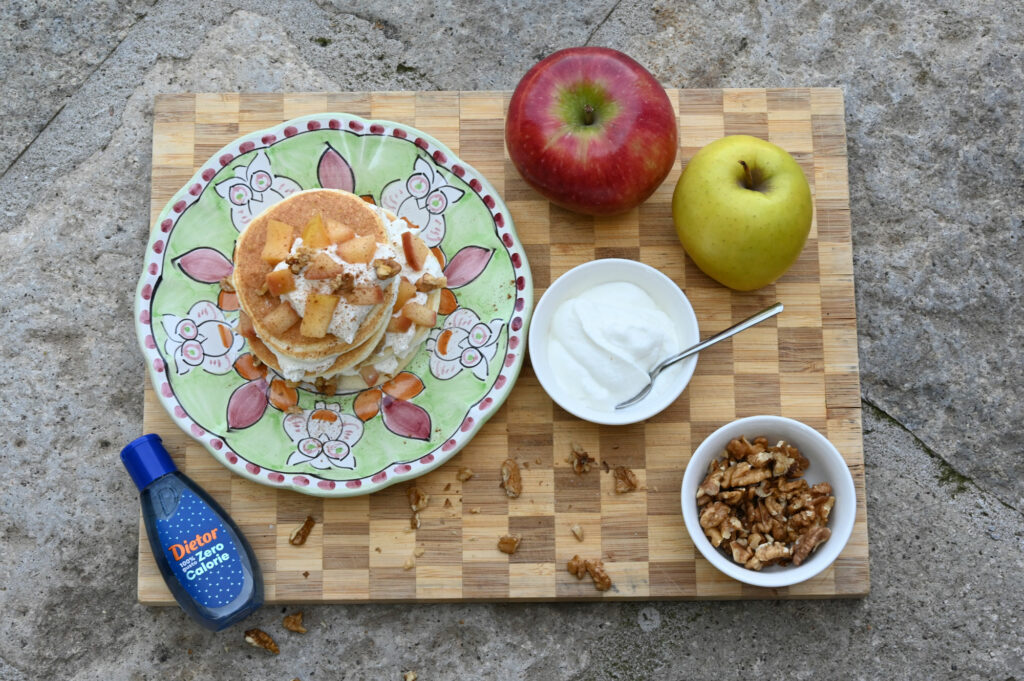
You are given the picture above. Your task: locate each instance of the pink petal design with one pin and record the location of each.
(206, 265)
(405, 419)
(466, 265)
(247, 404)
(334, 172)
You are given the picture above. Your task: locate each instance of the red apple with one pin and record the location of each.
(591, 130)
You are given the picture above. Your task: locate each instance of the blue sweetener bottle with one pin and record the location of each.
(207, 563)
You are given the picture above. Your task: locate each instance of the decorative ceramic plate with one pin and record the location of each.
(347, 444)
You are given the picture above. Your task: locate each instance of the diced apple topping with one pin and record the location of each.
(365, 295)
(279, 242)
(319, 311)
(416, 252)
(280, 282)
(386, 267)
(369, 374)
(429, 282)
(399, 324)
(419, 314)
(338, 232)
(358, 250)
(280, 319)
(405, 291)
(323, 266)
(314, 234)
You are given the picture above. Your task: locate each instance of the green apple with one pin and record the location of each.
(742, 209)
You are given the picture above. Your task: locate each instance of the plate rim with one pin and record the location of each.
(441, 155)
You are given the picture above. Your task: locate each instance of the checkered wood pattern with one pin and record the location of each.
(801, 364)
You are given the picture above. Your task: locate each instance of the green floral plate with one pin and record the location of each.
(296, 438)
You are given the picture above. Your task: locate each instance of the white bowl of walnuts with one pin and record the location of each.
(768, 500)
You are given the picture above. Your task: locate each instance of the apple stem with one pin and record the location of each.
(588, 114)
(748, 180)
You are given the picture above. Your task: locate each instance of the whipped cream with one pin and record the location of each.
(603, 343)
(347, 317)
(396, 346)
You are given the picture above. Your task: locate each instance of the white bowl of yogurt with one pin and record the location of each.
(597, 331)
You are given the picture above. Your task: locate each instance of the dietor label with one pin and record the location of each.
(201, 553)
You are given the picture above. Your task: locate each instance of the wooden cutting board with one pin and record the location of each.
(802, 364)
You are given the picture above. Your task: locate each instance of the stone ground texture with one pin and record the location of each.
(936, 144)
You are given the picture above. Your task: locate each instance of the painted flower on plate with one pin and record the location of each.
(422, 199)
(463, 342)
(202, 338)
(323, 437)
(253, 189)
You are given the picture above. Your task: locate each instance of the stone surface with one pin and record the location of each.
(935, 140)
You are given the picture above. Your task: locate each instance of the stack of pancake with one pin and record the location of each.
(334, 290)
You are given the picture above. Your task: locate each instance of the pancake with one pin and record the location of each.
(251, 271)
(363, 347)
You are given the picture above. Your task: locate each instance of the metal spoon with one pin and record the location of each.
(731, 331)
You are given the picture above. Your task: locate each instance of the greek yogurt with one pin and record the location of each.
(603, 343)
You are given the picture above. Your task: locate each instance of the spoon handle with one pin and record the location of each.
(731, 331)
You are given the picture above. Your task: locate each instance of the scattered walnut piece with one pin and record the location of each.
(419, 551)
(577, 567)
(386, 267)
(343, 283)
(414, 521)
(511, 480)
(625, 480)
(299, 259)
(475, 509)
(577, 531)
(429, 282)
(580, 460)
(464, 474)
(509, 543)
(602, 582)
(418, 499)
(261, 639)
(294, 623)
(326, 386)
(227, 285)
(754, 505)
(301, 533)
(409, 564)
